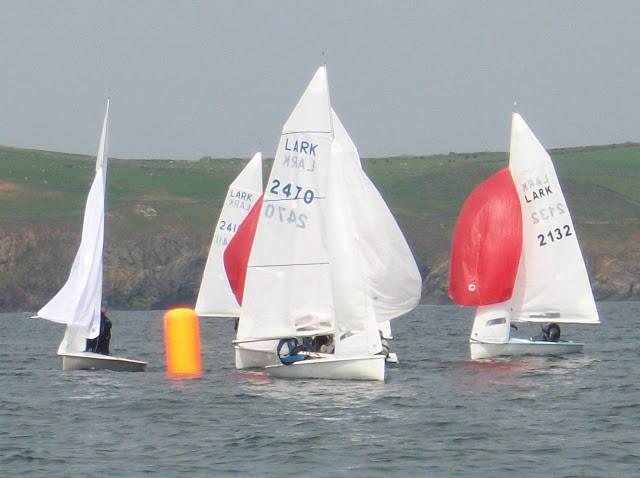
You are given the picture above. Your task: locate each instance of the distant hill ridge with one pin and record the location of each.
(162, 214)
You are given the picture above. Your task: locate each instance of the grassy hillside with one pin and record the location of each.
(602, 185)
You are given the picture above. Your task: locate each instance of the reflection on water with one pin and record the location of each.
(92, 386)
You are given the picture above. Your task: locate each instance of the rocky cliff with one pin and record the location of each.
(612, 278)
(164, 269)
(140, 273)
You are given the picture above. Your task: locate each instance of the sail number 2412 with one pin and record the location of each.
(554, 235)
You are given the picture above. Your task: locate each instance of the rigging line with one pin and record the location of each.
(292, 265)
(305, 132)
(294, 199)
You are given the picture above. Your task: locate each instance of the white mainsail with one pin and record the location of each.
(552, 283)
(215, 298)
(78, 302)
(288, 285)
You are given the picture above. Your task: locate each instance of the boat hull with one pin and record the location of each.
(348, 368)
(252, 358)
(93, 361)
(518, 347)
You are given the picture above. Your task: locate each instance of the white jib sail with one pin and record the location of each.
(215, 298)
(356, 326)
(78, 303)
(288, 286)
(552, 283)
(390, 270)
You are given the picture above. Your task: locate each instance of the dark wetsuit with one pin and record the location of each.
(100, 344)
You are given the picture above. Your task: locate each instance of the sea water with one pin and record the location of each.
(437, 415)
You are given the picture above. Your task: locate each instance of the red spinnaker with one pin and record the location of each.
(236, 255)
(487, 240)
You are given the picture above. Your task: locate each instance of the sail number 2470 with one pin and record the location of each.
(290, 191)
(285, 215)
(554, 235)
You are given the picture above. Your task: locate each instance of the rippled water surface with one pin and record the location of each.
(437, 415)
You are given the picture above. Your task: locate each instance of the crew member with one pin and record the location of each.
(100, 344)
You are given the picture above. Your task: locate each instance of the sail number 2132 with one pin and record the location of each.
(290, 191)
(554, 235)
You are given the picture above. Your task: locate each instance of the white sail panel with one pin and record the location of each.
(552, 283)
(312, 114)
(78, 302)
(287, 289)
(215, 298)
(357, 329)
(390, 270)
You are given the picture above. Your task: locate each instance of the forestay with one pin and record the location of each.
(78, 303)
(215, 298)
(287, 290)
(552, 283)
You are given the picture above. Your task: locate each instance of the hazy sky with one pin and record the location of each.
(189, 79)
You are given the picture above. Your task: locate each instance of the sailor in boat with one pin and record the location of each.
(296, 349)
(100, 344)
(323, 344)
(549, 333)
(291, 351)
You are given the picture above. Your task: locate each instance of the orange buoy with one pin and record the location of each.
(182, 343)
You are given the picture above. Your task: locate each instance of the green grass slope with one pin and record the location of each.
(602, 186)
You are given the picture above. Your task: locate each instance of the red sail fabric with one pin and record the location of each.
(487, 240)
(236, 255)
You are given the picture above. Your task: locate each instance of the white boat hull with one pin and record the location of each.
(349, 368)
(93, 361)
(252, 358)
(517, 347)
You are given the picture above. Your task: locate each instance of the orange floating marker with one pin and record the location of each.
(182, 343)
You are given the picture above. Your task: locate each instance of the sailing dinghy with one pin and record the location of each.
(77, 304)
(515, 255)
(321, 255)
(215, 297)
